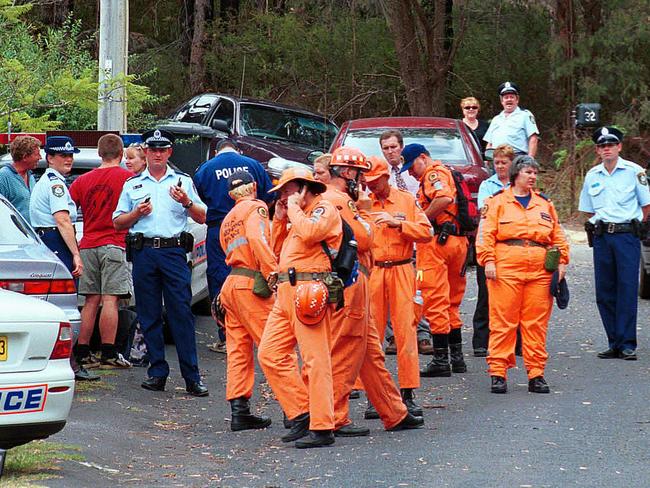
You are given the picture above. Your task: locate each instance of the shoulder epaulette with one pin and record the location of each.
(545, 197)
(497, 193)
(132, 177)
(178, 172)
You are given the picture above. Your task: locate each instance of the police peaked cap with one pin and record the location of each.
(158, 138)
(60, 145)
(607, 135)
(508, 87)
(239, 178)
(560, 290)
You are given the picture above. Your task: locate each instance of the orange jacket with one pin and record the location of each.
(245, 237)
(503, 217)
(437, 182)
(299, 237)
(359, 220)
(395, 244)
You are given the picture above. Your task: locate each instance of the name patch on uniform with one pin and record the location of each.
(594, 185)
(58, 191)
(643, 179)
(545, 216)
(137, 186)
(262, 211)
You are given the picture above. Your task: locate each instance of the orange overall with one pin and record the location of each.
(300, 248)
(440, 265)
(515, 239)
(245, 237)
(392, 280)
(356, 348)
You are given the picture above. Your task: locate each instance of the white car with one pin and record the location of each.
(36, 381)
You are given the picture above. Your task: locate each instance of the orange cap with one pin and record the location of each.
(299, 174)
(311, 302)
(378, 168)
(351, 157)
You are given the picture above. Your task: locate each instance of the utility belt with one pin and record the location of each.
(639, 229)
(261, 287)
(330, 279)
(44, 230)
(446, 229)
(392, 264)
(522, 243)
(137, 241)
(551, 258)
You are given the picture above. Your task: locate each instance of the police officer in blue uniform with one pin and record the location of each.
(616, 199)
(211, 180)
(154, 206)
(513, 126)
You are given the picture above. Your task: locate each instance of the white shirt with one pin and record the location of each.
(412, 185)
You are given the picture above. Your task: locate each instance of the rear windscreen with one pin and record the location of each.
(14, 230)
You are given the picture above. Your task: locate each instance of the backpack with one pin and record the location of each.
(346, 263)
(468, 215)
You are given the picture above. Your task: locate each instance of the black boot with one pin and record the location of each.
(299, 428)
(456, 352)
(317, 438)
(408, 422)
(439, 364)
(243, 419)
(286, 422)
(407, 398)
(371, 413)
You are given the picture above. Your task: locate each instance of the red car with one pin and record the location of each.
(448, 140)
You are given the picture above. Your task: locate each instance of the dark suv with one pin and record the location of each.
(263, 130)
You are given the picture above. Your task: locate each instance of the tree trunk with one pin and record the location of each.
(197, 50)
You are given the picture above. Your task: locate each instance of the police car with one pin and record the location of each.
(36, 381)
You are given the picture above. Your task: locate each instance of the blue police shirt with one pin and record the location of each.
(168, 218)
(14, 189)
(514, 129)
(50, 195)
(488, 188)
(616, 197)
(211, 181)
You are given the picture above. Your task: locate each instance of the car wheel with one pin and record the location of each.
(644, 280)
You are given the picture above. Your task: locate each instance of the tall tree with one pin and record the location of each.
(197, 49)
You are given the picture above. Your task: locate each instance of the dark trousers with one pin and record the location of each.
(57, 245)
(616, 270)
(217, 270)
(158, 274)
(481, 319)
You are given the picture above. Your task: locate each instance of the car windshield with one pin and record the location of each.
(287, 125)
(15, 231)
(443, 144)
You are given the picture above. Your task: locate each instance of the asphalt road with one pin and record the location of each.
(592, 430)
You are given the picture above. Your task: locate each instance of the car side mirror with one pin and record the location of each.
(221, 126)
(489, 154)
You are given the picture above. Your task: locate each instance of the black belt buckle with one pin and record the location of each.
(155, 243)
(292, 276)
(611, 228)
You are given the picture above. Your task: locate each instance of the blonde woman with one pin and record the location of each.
(470, 107)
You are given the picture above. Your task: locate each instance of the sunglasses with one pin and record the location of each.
(470, 107)
(137, 145)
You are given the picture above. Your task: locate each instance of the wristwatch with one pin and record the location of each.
(189, 204)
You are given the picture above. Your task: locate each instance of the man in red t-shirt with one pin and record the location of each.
(106, 276)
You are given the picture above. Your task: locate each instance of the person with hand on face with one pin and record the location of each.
(16, 179)
(513, 126)
(154, 206)
(471, 107)
(303, 220)
(616, 199)
(521, 244)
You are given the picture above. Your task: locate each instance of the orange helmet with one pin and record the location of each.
(301, 174)
(379, 167)
(351, 157)
(311, 302)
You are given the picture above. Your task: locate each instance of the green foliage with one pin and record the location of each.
(10, 12)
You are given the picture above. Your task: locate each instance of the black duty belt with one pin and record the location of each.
(284, 277)
(391, 264)
(522, 243)
(161, 242)
(364, 270)
(250, 273)
(43, 230)
(613, 228)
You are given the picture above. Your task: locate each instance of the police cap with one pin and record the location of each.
(158, 138)
(607, 135)
(508, 87)
(239, 178)
(60, 145)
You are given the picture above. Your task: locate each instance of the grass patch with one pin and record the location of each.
(92, 386)
(37, 460)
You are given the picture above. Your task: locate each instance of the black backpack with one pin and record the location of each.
(346, 263)
(468, 215)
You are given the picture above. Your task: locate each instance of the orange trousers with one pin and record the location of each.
(441, 284)
(356, 351)
(246, 315)
(276, 355)
(391, 292)
(520, 296)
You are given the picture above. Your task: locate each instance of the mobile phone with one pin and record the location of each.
(180, 182)
(146, 200)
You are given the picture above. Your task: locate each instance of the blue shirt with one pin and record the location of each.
(514, 129)
(50, 195)
(211, 181)
(168, 218)
(616, 197)
(488, 188)
(14, 189)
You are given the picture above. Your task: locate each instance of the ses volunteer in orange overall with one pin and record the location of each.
(245, 237)
(440, 262)
(517, 227)
(399, 223)
(301, 314)
(356, 349)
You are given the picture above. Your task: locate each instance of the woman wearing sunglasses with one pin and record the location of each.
(471, 107)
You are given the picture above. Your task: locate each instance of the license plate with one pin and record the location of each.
(3, 348)
(22, 399)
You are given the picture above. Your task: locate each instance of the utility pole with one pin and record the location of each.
(113, 62)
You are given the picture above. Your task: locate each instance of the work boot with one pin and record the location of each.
(286, 422)
(407, 399)
(351, 430)
(538, 385)
(300, 428)
(456, 352)
(243, 419)
(408, 422)
(317, 438)
(425, 347)
(371, 413)
(499, 384)
(439, 364)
